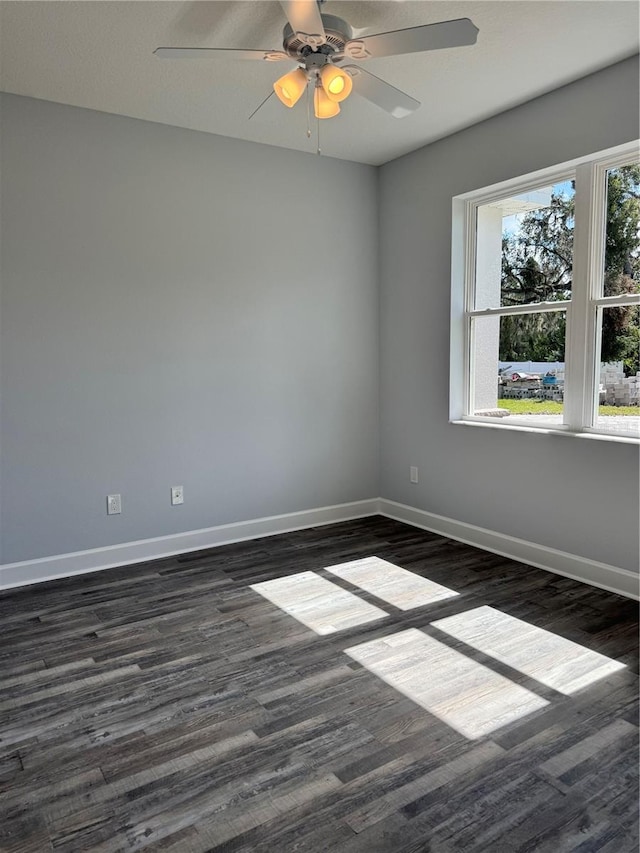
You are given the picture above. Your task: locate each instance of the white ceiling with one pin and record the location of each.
(99, 55)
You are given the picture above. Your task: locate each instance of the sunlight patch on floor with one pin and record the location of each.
(391, 583)
(317, 603)
(552, 660)
(465, 695)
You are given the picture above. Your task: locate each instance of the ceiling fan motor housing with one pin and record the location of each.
(337, 32)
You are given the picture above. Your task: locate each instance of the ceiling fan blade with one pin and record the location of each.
(227, 52)
(306, 21)
(382, 94)
(413, 40)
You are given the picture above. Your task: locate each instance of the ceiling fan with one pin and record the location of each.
(320, 44)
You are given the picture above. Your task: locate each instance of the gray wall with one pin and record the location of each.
(178, 309)
(576, 495)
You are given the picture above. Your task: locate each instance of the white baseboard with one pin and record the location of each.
(81, 562)
(602, 575)
(578, 568)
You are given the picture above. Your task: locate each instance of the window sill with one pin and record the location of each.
(547, 430)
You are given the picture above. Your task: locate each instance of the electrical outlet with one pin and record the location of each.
(177, 495)
(114, 504)
(413, 474)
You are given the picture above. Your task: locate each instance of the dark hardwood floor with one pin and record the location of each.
(168, 706)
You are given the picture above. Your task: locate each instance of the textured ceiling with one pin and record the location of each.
(99, 55)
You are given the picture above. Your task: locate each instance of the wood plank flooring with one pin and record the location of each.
(173, 706)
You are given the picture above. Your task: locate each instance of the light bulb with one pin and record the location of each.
(324, 107)
(289, 88)
(336, 83)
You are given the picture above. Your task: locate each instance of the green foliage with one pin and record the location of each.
(533, 337)
(531, 407)
(551, 407)
(537, 260)
(537, 267)
(622, 255)
(621, 337)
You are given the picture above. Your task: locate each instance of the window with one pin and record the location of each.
(546, 299)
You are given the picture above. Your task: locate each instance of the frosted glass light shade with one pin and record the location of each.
(323, 106)
(289, 88)
(337, 84)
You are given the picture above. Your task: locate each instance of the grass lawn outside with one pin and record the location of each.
(551, 407)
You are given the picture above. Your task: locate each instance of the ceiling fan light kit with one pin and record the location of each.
(331, 86)
(318, 43)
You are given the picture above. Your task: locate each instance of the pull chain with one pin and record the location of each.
(309, 110)
(318, 149)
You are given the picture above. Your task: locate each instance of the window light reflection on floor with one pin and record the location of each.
(552, 660)
(464, 694)
(319, 604)
(391, 583)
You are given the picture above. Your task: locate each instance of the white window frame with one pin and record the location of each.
(584, 310)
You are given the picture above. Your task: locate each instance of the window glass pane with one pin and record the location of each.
(622, 246)
(518, 367)
(618, 409)
(524, 248)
